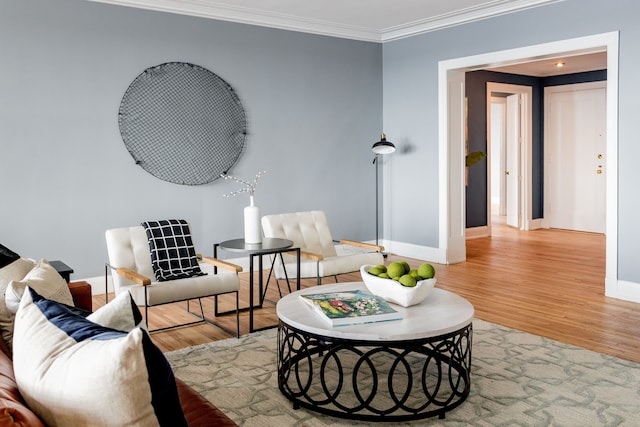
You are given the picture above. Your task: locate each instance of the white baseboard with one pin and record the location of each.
(477, 232)
(620, 289)
(97, 284)
(409, 250)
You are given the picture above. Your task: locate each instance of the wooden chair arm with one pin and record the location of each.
(311, 256)
(222, 264)
(376, 248)
(135, 277)
(307, 255)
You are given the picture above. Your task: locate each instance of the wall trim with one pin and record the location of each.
(478, 232)
(449, 145)
(410, 250)
(244, 15)
(621, 289)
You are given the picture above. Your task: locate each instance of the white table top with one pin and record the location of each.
(440, 313)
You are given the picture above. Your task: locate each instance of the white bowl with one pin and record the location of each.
(395, 292)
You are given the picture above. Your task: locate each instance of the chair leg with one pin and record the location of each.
(146, 308)
(335, 276)
(201, 309)
(318, 273)
(237, 315)
(106, 284)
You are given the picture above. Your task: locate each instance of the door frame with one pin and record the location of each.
(525, 213)
(451, 119)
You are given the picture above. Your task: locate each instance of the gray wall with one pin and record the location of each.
(314, 108)
(411, 106)
(315, 104)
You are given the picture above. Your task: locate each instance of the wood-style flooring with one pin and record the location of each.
(545, 282)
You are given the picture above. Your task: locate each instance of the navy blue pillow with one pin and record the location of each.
(7, 256)
(127, 369)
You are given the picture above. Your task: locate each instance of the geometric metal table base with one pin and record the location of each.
(374, 380)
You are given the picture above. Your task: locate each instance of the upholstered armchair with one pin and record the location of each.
(321, 255)
(132, 268)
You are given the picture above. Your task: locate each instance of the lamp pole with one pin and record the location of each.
(375, 160)
(381, 147)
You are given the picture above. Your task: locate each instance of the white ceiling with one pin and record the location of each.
(371, 20)
(571, 63)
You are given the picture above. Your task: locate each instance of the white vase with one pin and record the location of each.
(252, 229)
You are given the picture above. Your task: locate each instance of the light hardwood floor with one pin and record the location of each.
(545, 282)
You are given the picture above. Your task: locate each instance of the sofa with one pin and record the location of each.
(14, 411)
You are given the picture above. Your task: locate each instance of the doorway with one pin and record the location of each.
(509, 142)
(451, 136)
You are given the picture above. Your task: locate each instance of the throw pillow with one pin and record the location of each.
(7, 256)
(72, 371)
(121, 314)
(14, 271)
(172, 253)
(45, 280)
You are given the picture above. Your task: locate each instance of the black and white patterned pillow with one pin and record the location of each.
(7, 256)
(172, 253)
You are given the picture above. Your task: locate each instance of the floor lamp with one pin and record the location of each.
(381, 147)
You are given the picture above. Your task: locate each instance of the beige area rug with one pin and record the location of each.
(517, 379)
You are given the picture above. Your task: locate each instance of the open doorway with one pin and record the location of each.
(451, 100)
(509, 142)
(497, 141)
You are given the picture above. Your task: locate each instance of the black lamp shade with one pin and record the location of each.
(383, 146)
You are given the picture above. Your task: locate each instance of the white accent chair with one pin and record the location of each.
(131, 269)
(320, 255)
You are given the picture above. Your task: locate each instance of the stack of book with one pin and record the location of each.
(350, 307)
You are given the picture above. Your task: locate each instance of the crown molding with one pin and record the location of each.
(225, 12)
(471, 14)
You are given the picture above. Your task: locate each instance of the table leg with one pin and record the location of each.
(260, 281)
(250, 293)
(298, 268)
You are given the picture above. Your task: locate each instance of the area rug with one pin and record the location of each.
(517, 379)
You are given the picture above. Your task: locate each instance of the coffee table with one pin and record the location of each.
(397, 370)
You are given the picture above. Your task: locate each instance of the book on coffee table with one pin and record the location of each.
(351, 307)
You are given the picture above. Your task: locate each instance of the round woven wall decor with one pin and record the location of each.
(182, 123)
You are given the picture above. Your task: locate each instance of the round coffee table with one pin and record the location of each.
(396, 370)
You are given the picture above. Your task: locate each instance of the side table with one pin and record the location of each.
(269, 246)
(63, 269)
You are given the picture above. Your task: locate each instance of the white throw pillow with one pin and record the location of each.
(74, 372)
(14, 271)
(45, 280)
(121, 314)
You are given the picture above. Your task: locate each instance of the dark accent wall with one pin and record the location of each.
(570, 79)
(476, 93)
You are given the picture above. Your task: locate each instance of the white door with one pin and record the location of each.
(497, 159)
(512, 170)
(575, 153)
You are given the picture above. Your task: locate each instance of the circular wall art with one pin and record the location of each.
(182, 123)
